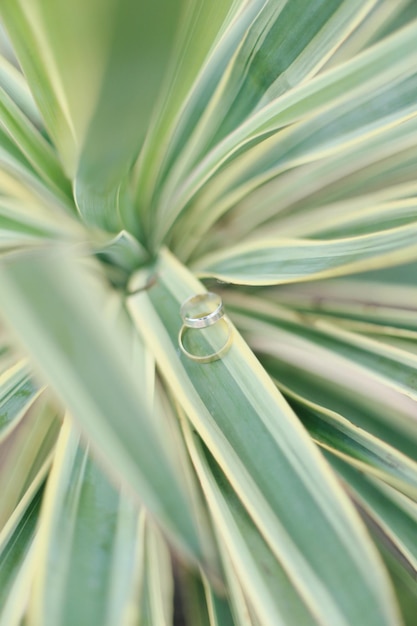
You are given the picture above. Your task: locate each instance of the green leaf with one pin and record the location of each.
(29, 220)
(26, 24)
(203, 55)
(285, 43)
(218, 607)
(392, 516)
(167, 422)
(142, 37)
(267, 457)
(19, 179)
(386, 304)
(26, 454)
(82, 92)
(383, 164)
(241, 609)
(269, 262)
(157, 597)
(83, 354)
(124, 251)
(349, 218)
(15, 85)
(18, 391)
(187, 89)
(263, 581)
(355, 445)
(191, 597)
(88, 547)
(384, 19)
(405, 588)
(335, 95)
(36, 149)
(291, 349)
(17, 565)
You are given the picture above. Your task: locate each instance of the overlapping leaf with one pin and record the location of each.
(269, 262)
(88, 546)
(16, 559)
(233, 404)
(79, 86)
(279, 123)
(84, 356)
(329, 123)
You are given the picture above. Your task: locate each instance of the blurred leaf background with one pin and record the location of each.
(262, 149)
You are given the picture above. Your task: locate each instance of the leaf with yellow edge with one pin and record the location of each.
(267, 456)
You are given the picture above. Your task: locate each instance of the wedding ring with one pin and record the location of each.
(206, 358)
(202, 310)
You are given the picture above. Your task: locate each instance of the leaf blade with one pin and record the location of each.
(272, 262)
(76, 347)
(237, 379)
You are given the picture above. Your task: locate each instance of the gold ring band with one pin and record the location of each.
(207, 358)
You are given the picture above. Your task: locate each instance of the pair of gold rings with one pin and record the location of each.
(200, 312)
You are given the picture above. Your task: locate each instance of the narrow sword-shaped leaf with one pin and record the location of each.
(274, 597)
(17, 393)
(218, 607)
(168, 425)
(34, 146)
(221, 51)
(269, 262)
(376, 25)
(382, 161)
(191, 605)
(233, 403)
(17, 565)
(329, 132)
(386, 303)
(404, 585)
(370, 71)
(87, 545)
(156, 603)
(26, 28)
(392, 516)
(204, 24)
(16, 166)
(349, 218)
(93, 60)
(241, 609)
(381, 411)
(325, 376)
(31, 217)
(355, 445)
(14, 84)
(135, 63)
(58, 312)
(314, 105)
(26, 454)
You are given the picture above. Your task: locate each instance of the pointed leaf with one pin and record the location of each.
(87, 547)
(58, 311)
(265, 454)
(269, 262)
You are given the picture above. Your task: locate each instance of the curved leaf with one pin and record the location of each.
(17, 564)
(366, 74)
(88, 545)
(265, 454)
(94, 59)
(26, 454)
(355, 445)
(271, 262)
(84, 355)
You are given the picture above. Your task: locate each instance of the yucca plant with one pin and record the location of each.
(261, 150)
